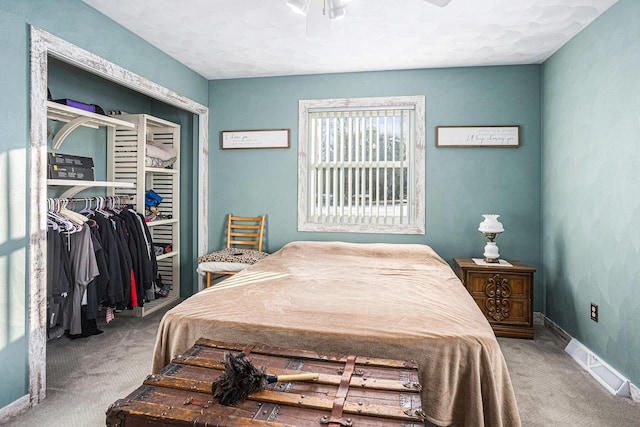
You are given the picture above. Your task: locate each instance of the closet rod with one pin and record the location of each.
(108, 200)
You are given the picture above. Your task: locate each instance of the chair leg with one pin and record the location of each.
(208, 279)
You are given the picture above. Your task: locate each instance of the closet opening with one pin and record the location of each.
(50, 53)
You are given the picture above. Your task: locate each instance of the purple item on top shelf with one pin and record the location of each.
(77, 104)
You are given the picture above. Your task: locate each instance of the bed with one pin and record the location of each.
(398, 301)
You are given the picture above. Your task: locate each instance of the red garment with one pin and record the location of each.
(134, 295)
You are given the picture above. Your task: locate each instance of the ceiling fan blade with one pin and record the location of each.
(441, 3)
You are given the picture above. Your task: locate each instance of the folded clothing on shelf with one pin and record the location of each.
(160, 151)
(162, 248)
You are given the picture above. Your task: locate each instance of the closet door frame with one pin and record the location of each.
(43, 45)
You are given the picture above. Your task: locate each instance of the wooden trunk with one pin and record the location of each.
(370, 391)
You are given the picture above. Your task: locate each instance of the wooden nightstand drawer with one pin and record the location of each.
(503, 293)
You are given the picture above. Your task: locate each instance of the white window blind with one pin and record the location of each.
(360, 167)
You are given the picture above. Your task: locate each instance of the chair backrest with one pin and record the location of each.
(245, 231)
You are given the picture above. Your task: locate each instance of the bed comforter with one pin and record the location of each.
(399, 301)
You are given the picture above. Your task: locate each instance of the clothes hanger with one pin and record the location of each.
(75, 217)
(100, 207)
(50, 222)
(60, 219)
(69, 215)
(112, 205)
(87, 212)
(54, 225)
(87, 206)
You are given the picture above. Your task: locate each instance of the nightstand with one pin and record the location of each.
(503, 293)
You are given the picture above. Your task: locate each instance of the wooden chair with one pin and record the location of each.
(244, 247)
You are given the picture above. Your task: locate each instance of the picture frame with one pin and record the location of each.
(478, 136)
(251, 139)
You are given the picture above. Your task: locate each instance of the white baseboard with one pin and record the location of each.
(610, 379)
(15, 408)
(635, 392)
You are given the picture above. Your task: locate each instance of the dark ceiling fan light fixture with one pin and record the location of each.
(440, 3)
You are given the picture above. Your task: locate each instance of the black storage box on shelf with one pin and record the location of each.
(70, 160)
(70, 172)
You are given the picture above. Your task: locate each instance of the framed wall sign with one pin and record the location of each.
(265, 138)
(477, 136)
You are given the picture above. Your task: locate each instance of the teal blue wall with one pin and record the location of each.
(77, 23)
(590, 184)
(14, 139)
(461, 183)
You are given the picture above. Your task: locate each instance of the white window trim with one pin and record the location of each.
(417, 209)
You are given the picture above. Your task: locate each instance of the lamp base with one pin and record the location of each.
(491, 254)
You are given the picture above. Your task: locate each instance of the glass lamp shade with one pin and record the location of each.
(491, 224)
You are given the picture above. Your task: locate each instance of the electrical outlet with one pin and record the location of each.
(594, 312)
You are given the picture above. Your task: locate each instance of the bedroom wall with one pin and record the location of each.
(591, 196)
(461, 183)
(77, 23)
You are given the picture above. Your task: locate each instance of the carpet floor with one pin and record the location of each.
(85, 376)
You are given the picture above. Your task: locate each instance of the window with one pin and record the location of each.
(361, 165)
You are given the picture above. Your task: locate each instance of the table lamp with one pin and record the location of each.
(491, 227)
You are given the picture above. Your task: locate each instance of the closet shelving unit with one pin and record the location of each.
(126, 164)
(74, 118)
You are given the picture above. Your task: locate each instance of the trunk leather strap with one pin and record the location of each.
(341, 395)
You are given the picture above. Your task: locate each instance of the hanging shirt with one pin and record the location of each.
(114, 294)
(84, 268)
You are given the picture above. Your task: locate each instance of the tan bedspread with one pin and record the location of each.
(399, 301)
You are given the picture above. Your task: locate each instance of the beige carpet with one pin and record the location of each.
(85, 376)
(553, 390)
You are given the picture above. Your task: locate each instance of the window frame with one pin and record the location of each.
(417, 167)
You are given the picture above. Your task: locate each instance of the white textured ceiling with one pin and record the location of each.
(223, 39)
